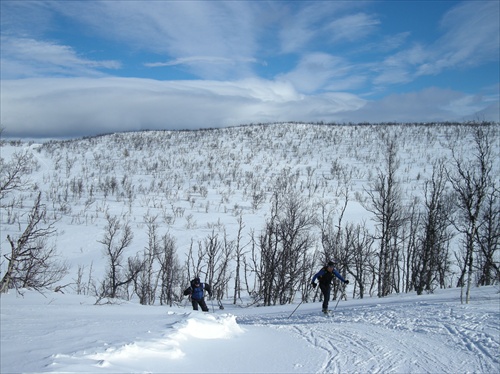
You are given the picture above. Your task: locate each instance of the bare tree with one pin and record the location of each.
(471, 180)
(239, 258)
(13, 174)
(32, 263)
(222, 274)
(265, 257)
(410, 243)
(283, 246)
(146, 283)
(386, 205)
(488, 240)
(334, 239)
(431, 257)
(114, 248)
(170, 272)
(212, 254)
(362, 260)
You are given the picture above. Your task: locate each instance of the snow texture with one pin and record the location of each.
(55, 332)
(435, 333)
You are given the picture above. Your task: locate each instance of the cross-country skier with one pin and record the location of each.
(325, 277)
(197, 292)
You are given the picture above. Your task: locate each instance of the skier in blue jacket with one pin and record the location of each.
(197, 293)
(325, 277)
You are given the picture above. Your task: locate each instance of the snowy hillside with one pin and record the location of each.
(194, 184)
(398, 334)
(187, 190)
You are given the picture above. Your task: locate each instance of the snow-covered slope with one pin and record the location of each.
(398, 334)
(200, 182)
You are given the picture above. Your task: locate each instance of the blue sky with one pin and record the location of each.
(76, 68)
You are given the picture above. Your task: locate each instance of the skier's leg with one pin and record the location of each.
(325, 289)
(195, 304)
(203, 305)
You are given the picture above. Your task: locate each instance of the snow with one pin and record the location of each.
(61, 333)
(69, 333)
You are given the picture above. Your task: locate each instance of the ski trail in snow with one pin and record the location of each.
(372, 350)
(391, 338)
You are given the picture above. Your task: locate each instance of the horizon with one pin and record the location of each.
(97, 135)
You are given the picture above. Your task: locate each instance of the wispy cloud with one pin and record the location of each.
(26, 57)
(199, 60)
(212, 66)
(352, 27)
(315, 71)
(301, 28)
(471, 33)
(429, 105)
(248, 61)
(400, 67)
(182, 31)
(470, 37)
(77, 106)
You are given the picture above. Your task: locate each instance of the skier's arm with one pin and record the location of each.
(188, 291)
(337, 274)
(317, 275)
(209, 289)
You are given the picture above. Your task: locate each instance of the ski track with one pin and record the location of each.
(392, 335)
(377, 338)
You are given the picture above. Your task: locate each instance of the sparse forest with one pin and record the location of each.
(254, 210)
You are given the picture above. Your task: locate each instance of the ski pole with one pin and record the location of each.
(307, 291)
(340, 297)
(296, 308)
(337, 303)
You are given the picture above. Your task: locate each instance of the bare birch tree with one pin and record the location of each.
(31, 262)
(472, 181)
(432, 257)
(386, 205)
(114, 248)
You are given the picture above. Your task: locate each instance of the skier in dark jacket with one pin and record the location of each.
(325, 277)
(197, 293)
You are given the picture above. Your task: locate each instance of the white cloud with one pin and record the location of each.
(298, 27)
(399, 68)
(351, 27)
(211, 66)
(428, 105)
(178, 30)
(315, 71)
(391, 42)
(26, 57)
(471, 33)
(332, 21)
(466, 105)
(470, 37)
(227, 44)
(199, 60)
(74, 107)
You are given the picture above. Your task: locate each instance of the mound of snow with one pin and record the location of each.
(398, 334)
(208, 326)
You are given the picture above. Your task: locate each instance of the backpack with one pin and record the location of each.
(327, 277)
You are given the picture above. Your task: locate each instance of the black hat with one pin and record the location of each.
(196, 280)
(330, 264)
